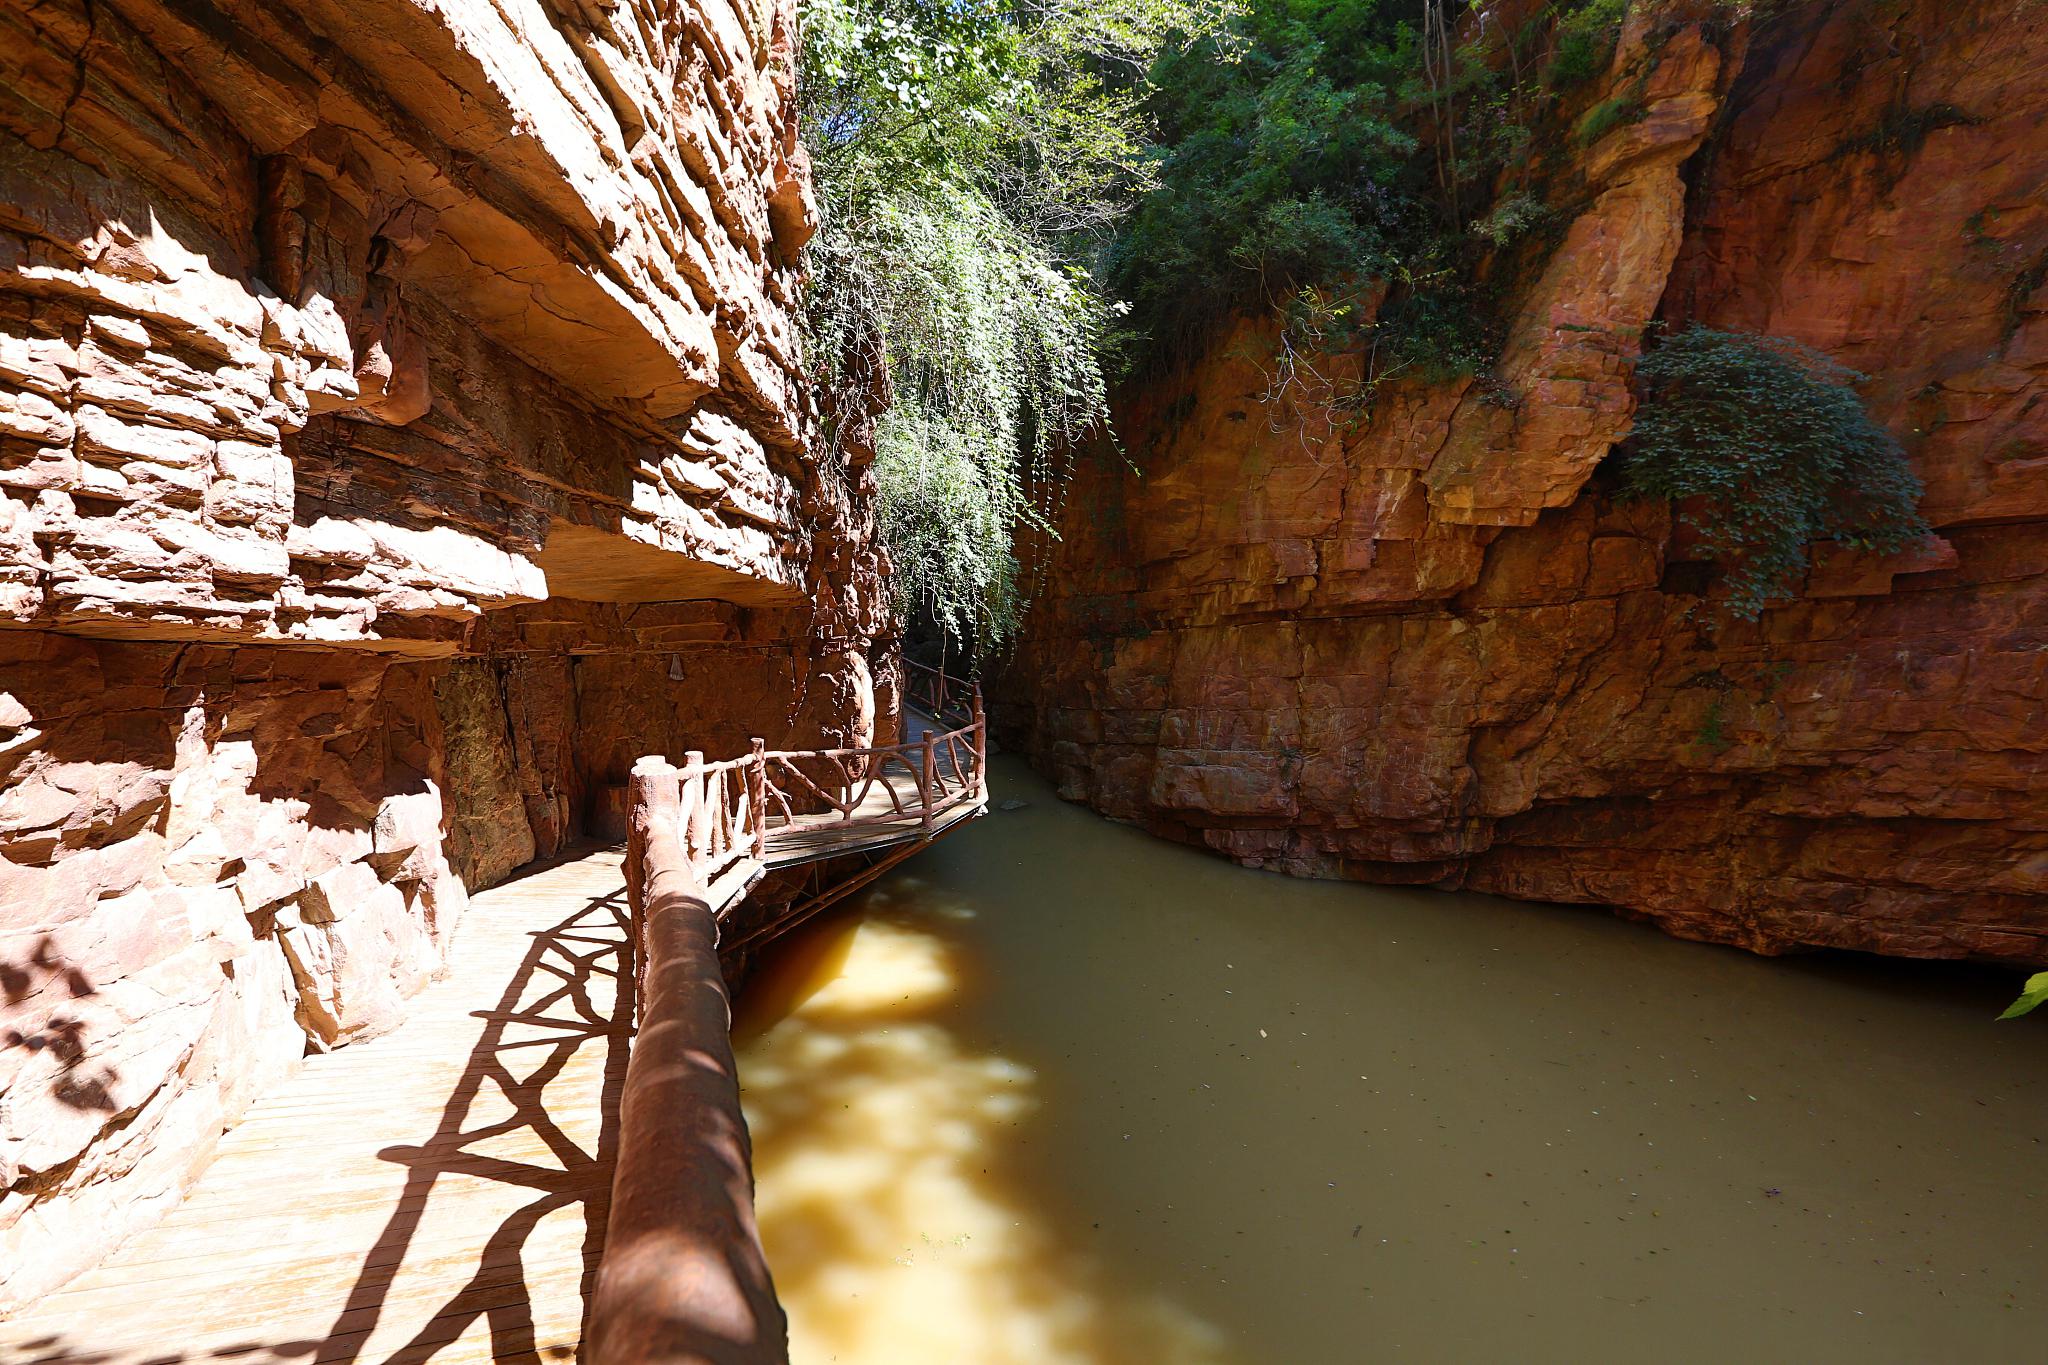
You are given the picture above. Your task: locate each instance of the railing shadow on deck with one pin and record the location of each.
(672, 1262)
(591, 942)
(579, 950)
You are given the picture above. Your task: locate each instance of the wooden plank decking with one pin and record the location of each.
(436, 1194)
(811, 838)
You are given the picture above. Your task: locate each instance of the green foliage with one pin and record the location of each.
(1584, 43)
(1766, 447)
(1289, 155)
(2031, 998)
(1277, 144)
(992, 352)
(1335, 146)
(1513, 216)
(1713, 731)
(1604, 117)
(969, 156)
(1713, 728)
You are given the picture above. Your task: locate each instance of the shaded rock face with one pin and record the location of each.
(402, 429)
(1433, 649)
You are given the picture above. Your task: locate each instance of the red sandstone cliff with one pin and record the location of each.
(401, 430)
(1431, 649)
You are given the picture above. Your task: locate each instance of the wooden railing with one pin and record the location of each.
(683, 1276)
(938, 694)
(844, 789)
(717, 810)
(728, 810)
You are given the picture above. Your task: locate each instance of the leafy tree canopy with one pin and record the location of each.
(1282, 159)
(971, 156)
(1317, 152)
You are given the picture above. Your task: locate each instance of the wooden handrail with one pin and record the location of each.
(937, 693)
(683, 1277)
(729, 808)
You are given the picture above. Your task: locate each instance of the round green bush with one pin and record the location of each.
(1765, 447)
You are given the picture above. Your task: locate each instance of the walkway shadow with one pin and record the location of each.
(569, 991)
(564, 962)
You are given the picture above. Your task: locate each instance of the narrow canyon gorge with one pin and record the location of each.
(1427, 643)
(413, 426)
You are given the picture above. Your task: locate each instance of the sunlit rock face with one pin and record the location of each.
(401, 429)
(1432, 648)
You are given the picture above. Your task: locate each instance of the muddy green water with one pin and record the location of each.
(1063, 1092)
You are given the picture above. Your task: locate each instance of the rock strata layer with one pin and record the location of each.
(1432, 648)
(402, 429)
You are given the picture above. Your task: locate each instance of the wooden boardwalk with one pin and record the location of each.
(439, 1193)
(811, 838)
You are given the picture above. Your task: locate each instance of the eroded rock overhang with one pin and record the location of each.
(321, 322)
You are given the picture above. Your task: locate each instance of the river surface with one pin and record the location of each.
(1059, 1091)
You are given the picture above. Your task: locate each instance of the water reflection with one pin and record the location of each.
(1069, 1093)
(882, 1142)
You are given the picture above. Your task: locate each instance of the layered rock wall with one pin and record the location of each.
(401, 430)
(1430, 647)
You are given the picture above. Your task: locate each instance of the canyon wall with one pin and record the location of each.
(1430, 647)
(401, 430)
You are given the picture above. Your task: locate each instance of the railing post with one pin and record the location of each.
(686, 812)
(930, 779)
(980, 744)
(757, 796)
(696, 826)
(654, 792)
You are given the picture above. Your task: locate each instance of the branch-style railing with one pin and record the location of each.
(732, 809)
(682, 1264)
(939, 694)
(843, 789)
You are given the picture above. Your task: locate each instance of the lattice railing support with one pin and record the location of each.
(757, 795)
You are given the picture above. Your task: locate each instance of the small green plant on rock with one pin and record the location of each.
(1713, 732)
(1513, 216)
(1604, 117)
(1765, 447)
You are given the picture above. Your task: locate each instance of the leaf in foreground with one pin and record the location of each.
(2035, 993)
